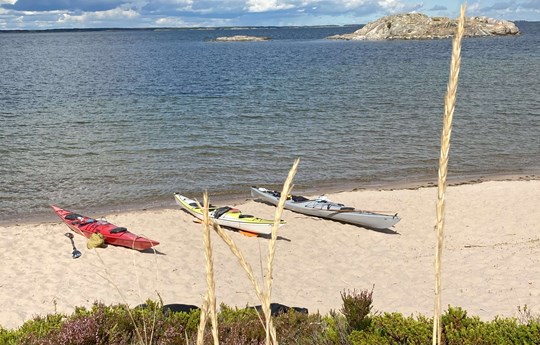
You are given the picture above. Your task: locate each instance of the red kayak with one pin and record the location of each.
(113, 234)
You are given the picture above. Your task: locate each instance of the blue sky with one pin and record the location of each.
(53, 14)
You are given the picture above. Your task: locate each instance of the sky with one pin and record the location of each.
(59, 14)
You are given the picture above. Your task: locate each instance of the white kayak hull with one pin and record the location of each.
(325, 209)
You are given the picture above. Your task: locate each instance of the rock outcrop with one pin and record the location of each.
(241, 38)
(416, 26)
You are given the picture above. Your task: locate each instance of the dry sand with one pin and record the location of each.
(490, 260)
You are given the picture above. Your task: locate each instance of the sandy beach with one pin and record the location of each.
(491, 258)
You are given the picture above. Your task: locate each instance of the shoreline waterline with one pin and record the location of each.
(221, 199)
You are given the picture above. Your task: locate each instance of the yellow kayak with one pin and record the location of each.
(229, 217)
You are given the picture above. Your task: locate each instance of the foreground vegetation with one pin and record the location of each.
(354, 324)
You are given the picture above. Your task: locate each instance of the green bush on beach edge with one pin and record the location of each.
(355, 324)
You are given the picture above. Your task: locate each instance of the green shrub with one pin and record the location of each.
(458, 328)
(398, 329)
(367, 338)
(299, 329)
(356, 308)
(41, 327)
(230, 315)
(10, 337)
(335, 329)
(118, 325)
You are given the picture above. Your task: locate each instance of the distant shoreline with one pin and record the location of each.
(175, 28)
(194, 28)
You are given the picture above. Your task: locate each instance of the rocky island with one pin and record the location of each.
(241, 38)
(417, 26)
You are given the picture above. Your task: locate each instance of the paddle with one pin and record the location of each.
(75, 252)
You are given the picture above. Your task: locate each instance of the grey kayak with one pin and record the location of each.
(321, 207)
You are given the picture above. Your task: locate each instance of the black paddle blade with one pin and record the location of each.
(76, 253)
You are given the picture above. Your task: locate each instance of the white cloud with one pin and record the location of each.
(4, 11)
(170, 22)
(68, 18)
(99, 16)
(267, 5)
(335, 6)
(352, 3)
(396, 6)
(388, 5)
(473, 7)
(177, 4)
(117, 13)
(391, 5)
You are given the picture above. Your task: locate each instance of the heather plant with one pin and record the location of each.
(240, 326)
(526, 316)
(99, 325)
(84, 329)
(356, 308)
(117, 316)
(244, 326)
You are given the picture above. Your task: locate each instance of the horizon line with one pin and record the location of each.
(154, 28)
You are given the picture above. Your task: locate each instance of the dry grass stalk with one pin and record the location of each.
(247, 267)
(243, 262)
(287, 187)
(264, 296)
(210, 300)
(449, 106)
(202, 321)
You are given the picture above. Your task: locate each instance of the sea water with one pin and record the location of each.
(113, 119)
